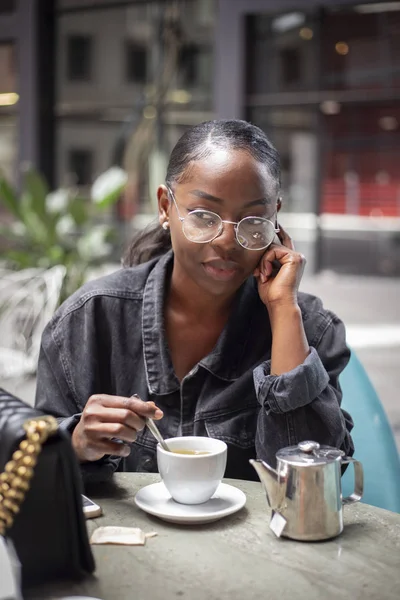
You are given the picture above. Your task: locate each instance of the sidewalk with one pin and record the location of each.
(370, 309)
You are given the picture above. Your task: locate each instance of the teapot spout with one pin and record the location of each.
(271, 481)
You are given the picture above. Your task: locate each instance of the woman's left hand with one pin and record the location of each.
(280, 287)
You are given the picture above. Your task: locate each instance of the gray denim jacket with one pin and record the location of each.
(109, 338)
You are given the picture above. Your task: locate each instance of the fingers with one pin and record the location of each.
(101, 447)
(285, 238)
(96, 412)
(133, 404)
(265, 267)
(268, 264)
(108, 431)
(274, 258)
(106, 438)
(266, 270)
(89, 446)
(107, 419)
(282, 254)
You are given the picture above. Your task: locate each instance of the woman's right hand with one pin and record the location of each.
(105, 417)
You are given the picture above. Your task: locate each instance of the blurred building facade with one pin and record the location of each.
(88, 83)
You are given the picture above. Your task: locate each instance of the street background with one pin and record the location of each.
(370, 308)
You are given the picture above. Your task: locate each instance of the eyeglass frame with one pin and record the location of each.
(235, 224)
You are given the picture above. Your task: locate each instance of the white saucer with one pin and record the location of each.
(156, 500)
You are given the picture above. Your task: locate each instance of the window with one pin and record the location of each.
(80, 165)
(79, 57)
(188, 64)
(7, 68)
(7, 6)
(135, 62)
(194, 65)
(290, 65)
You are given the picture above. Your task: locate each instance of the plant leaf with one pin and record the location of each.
(37, 189)
(7, 233)
(110, 198)
(108, 187)
(39, 221)
(78, 209)
(21, 258)
(8, 197)
(37, 230)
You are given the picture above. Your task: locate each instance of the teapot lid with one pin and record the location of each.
(309, 453)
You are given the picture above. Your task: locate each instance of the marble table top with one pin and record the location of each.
(236, 558)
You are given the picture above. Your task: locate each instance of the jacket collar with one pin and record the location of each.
(161, 378)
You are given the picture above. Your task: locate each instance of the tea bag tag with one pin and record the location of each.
(277, 524)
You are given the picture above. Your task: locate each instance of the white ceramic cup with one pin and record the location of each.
(192, 478)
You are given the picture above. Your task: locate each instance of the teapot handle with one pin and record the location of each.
(358, 481)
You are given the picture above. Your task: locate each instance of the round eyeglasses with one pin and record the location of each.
(203, 226)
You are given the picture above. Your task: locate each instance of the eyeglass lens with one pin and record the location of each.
(253, 233)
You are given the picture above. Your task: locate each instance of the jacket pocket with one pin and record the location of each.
(236, 428)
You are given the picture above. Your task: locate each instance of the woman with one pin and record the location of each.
(210, 335)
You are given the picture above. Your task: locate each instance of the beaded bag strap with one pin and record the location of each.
(18, 472)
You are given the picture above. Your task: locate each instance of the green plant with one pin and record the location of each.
(59, 227)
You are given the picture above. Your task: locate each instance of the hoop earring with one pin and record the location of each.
(165, 225)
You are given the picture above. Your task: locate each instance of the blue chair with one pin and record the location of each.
(373, 439)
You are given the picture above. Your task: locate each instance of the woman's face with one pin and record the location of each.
(234, 185)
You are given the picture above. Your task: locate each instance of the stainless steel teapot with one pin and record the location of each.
(305, 492)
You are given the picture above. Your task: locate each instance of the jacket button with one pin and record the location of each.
(149, 464)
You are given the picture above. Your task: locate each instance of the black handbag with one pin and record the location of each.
(40, 495)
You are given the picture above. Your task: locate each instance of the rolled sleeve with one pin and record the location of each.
(297, 388)
(98, 471)
(69, 423)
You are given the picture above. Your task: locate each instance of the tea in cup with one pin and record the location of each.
(193, 469)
